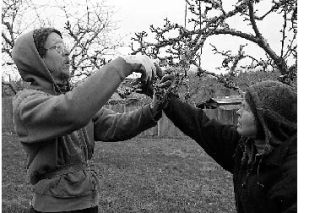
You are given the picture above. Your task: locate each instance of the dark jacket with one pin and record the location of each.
(261, 184)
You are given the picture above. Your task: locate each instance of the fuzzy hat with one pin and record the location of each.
(274, 105)
(40, 36)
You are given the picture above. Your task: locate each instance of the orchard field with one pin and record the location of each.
(138, 175)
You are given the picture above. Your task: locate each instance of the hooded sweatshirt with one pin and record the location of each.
(58, 130)
(264, 182)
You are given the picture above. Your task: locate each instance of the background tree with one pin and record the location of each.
(14, 22)
(13, 15)
(90, 31)
(87, 26)
(179, 45)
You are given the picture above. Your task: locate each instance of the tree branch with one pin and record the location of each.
(283, 32)
(9, 84)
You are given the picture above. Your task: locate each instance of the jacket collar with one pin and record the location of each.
(276, 157)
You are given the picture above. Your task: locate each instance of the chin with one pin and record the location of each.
(65, 74)
(240, 132)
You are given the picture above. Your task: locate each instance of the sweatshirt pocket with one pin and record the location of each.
(73, 184)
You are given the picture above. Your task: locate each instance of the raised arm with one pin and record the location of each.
(40, 116)
(218, 140)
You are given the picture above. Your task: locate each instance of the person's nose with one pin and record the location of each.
(66, 52)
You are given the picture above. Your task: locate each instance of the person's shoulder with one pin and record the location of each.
(27, 93)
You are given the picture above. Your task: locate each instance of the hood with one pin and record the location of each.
(29, 63)
(274, 105)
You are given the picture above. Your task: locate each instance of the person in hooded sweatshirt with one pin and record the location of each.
(58, 127)
(260, 152)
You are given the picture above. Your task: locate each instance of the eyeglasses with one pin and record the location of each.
(60, 48)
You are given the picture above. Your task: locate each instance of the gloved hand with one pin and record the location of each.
(147, 87)
(159, 98)
(142, 64)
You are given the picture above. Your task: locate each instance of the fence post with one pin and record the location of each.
(7, 114)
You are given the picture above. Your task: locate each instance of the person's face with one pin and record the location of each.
(246, 125)
(56, 57)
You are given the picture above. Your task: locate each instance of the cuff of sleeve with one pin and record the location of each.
(122, 67)
(170, 97)
(154, 114)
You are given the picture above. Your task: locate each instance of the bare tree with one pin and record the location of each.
(91, 35)
(86, 25)
(209, 18)
(12, 17)
(11, 28)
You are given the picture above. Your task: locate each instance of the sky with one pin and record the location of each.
(138, 15)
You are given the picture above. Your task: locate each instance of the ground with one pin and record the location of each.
(138, 175)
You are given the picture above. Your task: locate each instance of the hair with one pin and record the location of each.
(40, 37)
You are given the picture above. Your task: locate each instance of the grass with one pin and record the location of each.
(138, 175)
